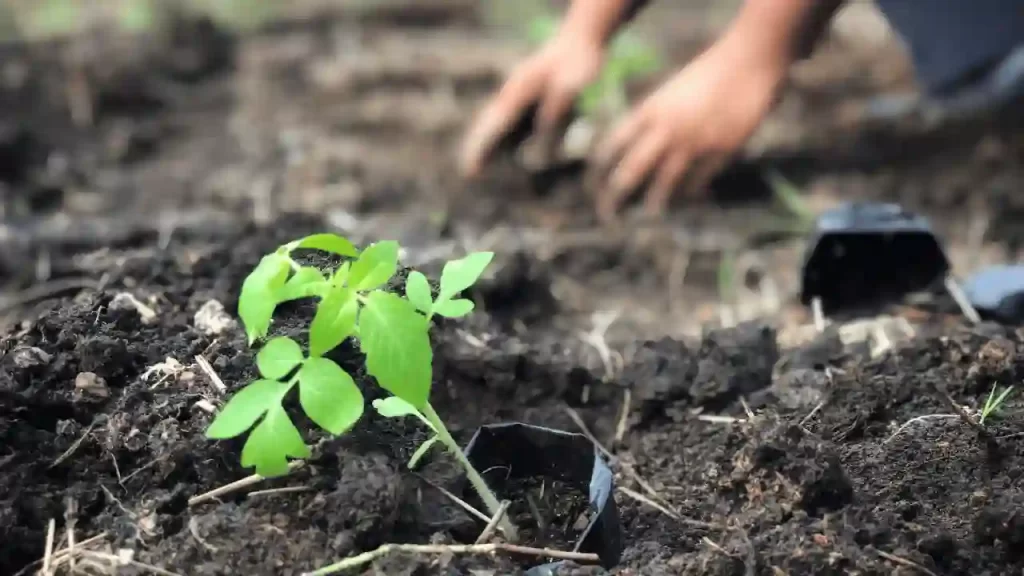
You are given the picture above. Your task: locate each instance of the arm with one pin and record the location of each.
(787, 29)
(599, 19)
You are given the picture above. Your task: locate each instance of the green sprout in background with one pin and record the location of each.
(994, 403)
(629, 58)
(393, 335)
(792, 200)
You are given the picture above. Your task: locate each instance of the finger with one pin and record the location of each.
(611, 148)
(700, 177)
(635, 167)
(670, 173)
(497, 118)
(553, 117)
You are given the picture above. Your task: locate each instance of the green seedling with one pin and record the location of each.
(629, 58)
(395, 407)
(791, 198)
(994, 403)
(392, 333)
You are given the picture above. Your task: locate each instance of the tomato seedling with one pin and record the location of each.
(392, 332)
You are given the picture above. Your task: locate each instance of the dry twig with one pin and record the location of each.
(458, 501)
(492, 525)
(905, 562)
(205, 366)
(367, 557)
(236, 485)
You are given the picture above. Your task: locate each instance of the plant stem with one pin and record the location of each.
(490, 500)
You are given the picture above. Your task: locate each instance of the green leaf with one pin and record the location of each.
(417, 290)
(328, 243)
(377, 264)
(257, 299)
(335, 320)
(340, 275)
(421, 452)
(454, 308)
(272, 442)
(395, 407)
(305, 283)
(245, 408)
(394, 338)
(329, 396)
(460, 274)
(278, 357)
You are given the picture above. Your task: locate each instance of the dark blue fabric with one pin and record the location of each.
(949, 40)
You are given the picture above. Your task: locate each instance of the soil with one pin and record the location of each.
(143, 179)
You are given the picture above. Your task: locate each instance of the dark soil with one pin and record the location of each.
(742, 450)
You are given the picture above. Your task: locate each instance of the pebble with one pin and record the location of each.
(90, 384)
(211, 319)
(30, 357)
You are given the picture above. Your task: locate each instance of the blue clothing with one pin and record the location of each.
(955, 42)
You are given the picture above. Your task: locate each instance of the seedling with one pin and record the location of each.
(392, 332)
(629, 58)
(994, 403)
(790, 197)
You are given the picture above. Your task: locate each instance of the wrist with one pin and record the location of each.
(595, 22)
(781, 31)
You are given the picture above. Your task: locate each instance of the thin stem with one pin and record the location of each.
(490, 500)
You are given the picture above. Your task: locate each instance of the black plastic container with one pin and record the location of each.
(997, 293)
(517, 450)
(865, 254)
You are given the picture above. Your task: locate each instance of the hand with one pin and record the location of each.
(550, 80)
(689, 128)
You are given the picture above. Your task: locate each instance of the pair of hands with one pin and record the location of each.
(678, 138)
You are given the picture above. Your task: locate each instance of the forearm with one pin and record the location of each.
(599, 19)
(788, 29)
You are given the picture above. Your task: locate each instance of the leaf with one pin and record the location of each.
(245, 408)
(395, 407)
(377, 264)
(329, 396)
(335, 320)
(272, 442)
(417, 290)
(257, 300)
(454, 308)
(460, 274)
(421, 452)
(305, 283)
(278, 357)
(394, 338)
(328, 243)
(340, 275)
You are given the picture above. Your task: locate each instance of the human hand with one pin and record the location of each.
(689, 128)
(549, 82)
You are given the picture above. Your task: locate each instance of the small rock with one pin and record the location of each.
(30, 357)
(125, 301)
(211, 319)
(582, 521)
(89, 384)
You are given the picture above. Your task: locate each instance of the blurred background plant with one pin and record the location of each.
(629, 59)
(49, 19)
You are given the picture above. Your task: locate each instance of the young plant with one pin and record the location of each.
(994, 403)
(392, 332)
(629, 58)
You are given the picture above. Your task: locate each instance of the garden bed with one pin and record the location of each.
(735, 449)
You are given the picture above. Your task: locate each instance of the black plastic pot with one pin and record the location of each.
(864, 254)
(997, 293)
(517, 450)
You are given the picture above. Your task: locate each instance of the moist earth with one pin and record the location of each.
(735, 450)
